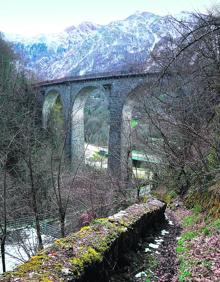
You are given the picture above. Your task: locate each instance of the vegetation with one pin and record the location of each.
(36, 180)
(185, 117)
(97, 119)
(18, 119)
(198, 246)
(185, 111)
(177, 121)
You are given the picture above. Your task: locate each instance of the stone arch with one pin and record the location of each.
(77, 125)
(126, 129)
(50, 100)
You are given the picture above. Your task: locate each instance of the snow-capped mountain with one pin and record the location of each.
(124, 45)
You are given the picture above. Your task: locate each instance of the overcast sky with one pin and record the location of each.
(30, 17)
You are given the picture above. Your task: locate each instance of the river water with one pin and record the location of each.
(22, 246)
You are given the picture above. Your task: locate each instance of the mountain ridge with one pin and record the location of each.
(120, 46)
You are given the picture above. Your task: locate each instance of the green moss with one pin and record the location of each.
(44, 278)
(58, 242)
(144, 199)
(85, 228)
(62, 244)
(58, 266)
(100, 221)
(103, 243)
(88, 257)
(34, 264)
(106, 232)
(47, 280)
(167, 196)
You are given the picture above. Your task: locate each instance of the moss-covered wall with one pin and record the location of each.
(89, 254)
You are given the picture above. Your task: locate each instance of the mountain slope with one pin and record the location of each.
(120, 46)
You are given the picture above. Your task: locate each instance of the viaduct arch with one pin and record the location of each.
(120, 90)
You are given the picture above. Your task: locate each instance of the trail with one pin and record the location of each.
(155, 259)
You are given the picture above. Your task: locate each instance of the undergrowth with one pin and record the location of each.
(198, 247)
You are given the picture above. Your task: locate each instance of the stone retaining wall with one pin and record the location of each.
(91, 253)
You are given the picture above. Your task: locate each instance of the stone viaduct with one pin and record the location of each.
(121, 91)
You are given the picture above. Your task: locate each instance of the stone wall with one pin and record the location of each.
(91, 253)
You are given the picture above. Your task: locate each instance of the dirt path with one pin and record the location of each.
(167, 261)
(155, 260)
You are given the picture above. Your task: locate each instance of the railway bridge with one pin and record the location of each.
(121, 91)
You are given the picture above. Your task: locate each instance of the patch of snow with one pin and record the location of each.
(159, 240)
(154, 246)
(141, 274)
(82, 72)
(164, 232)
(65, 271)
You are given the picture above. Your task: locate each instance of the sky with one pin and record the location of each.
(31, 17)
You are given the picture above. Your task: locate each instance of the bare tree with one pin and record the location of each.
(184, 109)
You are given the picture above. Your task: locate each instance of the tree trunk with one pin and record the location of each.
(38, 230)
(62, 225)
(4, 229)
(34, 202)
(3, 239)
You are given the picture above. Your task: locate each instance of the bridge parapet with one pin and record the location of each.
(89, 77)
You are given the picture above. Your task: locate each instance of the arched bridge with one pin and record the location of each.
(121, 91)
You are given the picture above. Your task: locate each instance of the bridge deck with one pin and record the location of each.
(100, 76)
